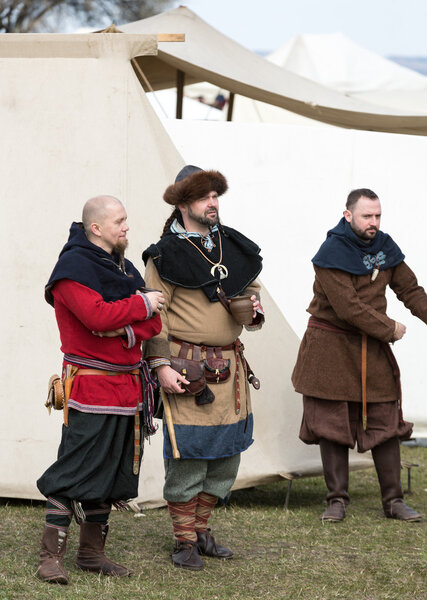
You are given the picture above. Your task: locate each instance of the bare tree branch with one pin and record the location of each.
(23, 16)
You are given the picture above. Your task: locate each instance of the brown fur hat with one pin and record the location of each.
(192, 183)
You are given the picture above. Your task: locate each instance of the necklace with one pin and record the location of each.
(222, 269)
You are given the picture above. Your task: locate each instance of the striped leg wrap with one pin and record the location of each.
(183, 515)
(58, 513)
(96, 512)
(205, 505)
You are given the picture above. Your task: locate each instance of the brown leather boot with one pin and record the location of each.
(50, 568)
(335, 471)
(387, 464)
(207, 545)
(91, 557)
(186, 555)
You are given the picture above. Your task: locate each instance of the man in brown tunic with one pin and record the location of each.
(345, 368)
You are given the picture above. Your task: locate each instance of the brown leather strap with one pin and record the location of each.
(105, 373)
(202, 347)
(183, 351)
(136, 442)
(69, 374)
(237, 377)
(223, 298)
(364, 367)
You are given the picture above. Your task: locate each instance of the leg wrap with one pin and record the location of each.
(205, 505)
(96, 512)
(183, 515)
(58, 513)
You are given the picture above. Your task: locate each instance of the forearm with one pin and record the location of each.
(96, 314)
(405, 285)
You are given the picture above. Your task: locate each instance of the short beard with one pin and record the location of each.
(362, 234)
(203, 220)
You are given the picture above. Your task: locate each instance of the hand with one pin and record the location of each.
(256, 305)
(110, 334)
(171, 380)
(156, 300)
(399, 331)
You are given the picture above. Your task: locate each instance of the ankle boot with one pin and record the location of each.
(91, 557)
(186, 555)
(387, 464)
(207, 545)
(50, 568)
(335, 471)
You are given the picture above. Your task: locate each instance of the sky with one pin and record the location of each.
(387, 27)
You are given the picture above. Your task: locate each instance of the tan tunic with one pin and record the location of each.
(189, 316)
(329, 364)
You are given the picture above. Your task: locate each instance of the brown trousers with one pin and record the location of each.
(341, 422)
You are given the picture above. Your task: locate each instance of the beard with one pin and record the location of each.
(366, 235)
(121, 246)
(204, 219)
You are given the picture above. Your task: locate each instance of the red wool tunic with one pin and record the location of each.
(80, 310)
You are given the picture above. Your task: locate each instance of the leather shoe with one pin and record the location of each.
(335, 511)
(208, 547)
(397, 509)
(186, 556)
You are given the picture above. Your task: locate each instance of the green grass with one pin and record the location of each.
(278, 554)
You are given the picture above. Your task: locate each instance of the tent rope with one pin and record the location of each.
(147, 83)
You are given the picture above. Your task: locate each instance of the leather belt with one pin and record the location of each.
(238, 348)
(202, 347)
(109, 373)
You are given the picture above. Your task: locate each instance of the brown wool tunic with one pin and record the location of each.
(329, 363)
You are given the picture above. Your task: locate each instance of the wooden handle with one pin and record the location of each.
(169, 423)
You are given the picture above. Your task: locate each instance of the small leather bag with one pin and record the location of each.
(217, 368)
(192, 370)
(55, 393)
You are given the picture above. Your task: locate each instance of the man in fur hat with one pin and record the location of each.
(199, 264)
(102, 317)
(345, 367)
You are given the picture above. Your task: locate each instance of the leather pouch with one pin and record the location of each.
(193, 371)
(55, 393)
(217, 370)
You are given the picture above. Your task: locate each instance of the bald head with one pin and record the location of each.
(104, 222)
(96, 210)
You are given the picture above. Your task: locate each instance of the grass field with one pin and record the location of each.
(278, 554)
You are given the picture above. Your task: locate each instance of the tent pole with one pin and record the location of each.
(180, 76)
(288, 494)
(230, 107)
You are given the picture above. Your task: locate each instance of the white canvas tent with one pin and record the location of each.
(391, 164)
(206, 57)
(288, 183)
(75, 122)
(337, 62)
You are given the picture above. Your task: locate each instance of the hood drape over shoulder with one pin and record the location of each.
(343, 250)
(90, 265)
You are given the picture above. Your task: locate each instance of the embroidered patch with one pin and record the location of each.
(376, 260)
